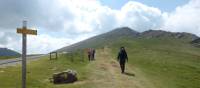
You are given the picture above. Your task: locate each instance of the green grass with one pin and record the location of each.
(39, 72)
(167, 63)
(7, 57)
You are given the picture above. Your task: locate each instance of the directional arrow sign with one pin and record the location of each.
(26, 31)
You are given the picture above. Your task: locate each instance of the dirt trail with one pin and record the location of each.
(105, 73)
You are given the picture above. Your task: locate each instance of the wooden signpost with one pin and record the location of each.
(24, 31)
(56, 55)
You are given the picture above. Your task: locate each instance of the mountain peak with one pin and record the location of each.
(124, 28)
(124, 31)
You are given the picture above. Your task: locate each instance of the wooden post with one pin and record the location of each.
(55, 55)
(50, 55)
(24, 60)
(24, 31)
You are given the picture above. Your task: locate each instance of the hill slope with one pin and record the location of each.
(8, 52)
(155, 62)
(152, 64)
(166, 59)
(160, 34)
(125, 32)
(100, 40)
(196, 42)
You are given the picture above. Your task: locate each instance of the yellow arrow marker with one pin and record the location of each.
(27, 31)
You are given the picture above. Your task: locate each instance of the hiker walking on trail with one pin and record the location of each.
(89, 54)
(93, 54)
(122, 58)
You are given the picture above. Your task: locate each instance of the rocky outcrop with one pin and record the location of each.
(162, 34)
(68, 76)
(196, 42)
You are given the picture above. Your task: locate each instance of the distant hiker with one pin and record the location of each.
(93, 54)
(89, 54)
(122, 58)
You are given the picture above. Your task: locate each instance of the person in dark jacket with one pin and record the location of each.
(93, 54)
(122, 58)
(89, 54)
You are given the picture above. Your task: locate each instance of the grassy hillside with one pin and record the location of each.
(102, 39)
(125, 32)
(153, 63)
(167, 59)
(7, 53)
(7, 57)
(167, 62)
(157, 61)
(39, 72)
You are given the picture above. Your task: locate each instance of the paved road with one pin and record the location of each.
(11, 62)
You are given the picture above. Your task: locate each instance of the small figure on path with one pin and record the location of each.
(122, 58)
(93, 54)
(89, 54)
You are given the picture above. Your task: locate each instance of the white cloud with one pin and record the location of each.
(185, 18)
(63, 22)
(88, 17)
(45, 43)
(1, 34)
(94, 17)
(140, 17)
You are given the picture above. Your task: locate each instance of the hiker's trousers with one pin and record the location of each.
(122, 65)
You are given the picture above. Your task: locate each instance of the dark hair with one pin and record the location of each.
(122, 48)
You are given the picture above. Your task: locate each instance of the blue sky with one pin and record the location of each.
(163, 5)
(64, 22)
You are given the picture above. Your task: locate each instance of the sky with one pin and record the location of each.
(163, 5)
(63, 22)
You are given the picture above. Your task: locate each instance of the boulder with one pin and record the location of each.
(68, 76)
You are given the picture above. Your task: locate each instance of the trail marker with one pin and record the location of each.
(24, 31)
(56, 55)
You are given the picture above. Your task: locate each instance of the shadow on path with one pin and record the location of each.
(129, 74)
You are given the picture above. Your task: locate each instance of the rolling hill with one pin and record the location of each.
(161, 34)
(125, 32)
(100, 40)
(196, 42)
(6, 53)
(157, 59)
(166, 59)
